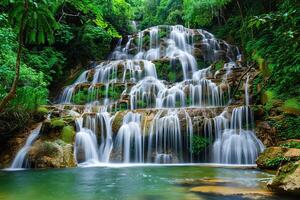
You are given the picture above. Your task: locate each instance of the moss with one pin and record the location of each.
(57, 123)
(283, 172)
(172, 76)
(274, 163)
(271, 158)
(291, 106)
(49, 149)
(291, 144)
(67, 134)
(80, 97)
(199, 144)
(219, 65)
(43, 110)
(268, 99)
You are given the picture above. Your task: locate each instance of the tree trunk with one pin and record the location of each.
(12, 93)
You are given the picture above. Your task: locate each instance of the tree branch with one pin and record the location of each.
(12, 93)
(240, 81)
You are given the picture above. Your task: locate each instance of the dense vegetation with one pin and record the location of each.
(61, 36)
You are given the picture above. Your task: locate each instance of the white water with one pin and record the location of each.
(19, 161)
(237, 143)
(166, 135)
(129, 139)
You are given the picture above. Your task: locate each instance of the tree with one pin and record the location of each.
(35, 22)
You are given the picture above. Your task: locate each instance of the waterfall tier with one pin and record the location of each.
(163, 97)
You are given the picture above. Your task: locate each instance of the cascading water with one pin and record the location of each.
(19, 161)
(166, 141)
(161, 114)
(129, 139)
(236, 143)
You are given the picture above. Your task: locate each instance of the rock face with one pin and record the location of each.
(287, 161)
(287, 179)
(271, 158)
(47, 154)
(266, 133)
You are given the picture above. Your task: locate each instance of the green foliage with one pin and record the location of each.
(269, 98)
(219, 65)
(274, 32)
(68, 133)
(32, 86)
(288, 127)
(39, 21)
(172, 76)
(201, 12)
(292, 144)
(199, 144)
(80, 98)
(162, 12)
(43, 110)
(292, 106)
(276, 162)
(57, 123)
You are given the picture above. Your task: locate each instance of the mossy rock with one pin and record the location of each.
(118, 121)
(57, 123)
(291, 106)
(51, 154)
(42, 110)
(68, 134)
(287, 179)
(40, 113)
(271, 158)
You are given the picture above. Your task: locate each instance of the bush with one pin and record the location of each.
(291, 106)
(292, 144)
(276, 162)
(199, 143)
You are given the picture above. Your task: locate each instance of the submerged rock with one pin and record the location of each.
(230, 191)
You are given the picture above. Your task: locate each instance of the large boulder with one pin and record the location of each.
(51, 154)
(287, 179)
(271, 158)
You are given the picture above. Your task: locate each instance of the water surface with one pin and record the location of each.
(137, 182)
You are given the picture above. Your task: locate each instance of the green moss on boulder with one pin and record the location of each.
(271, 158)
(57, 123)
(287, 179)
(68, 133)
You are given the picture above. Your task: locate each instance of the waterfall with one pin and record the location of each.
(129, 138)
(85, 149)
(20, 159)
(160, 89)
(165, 141)
(237, 143)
